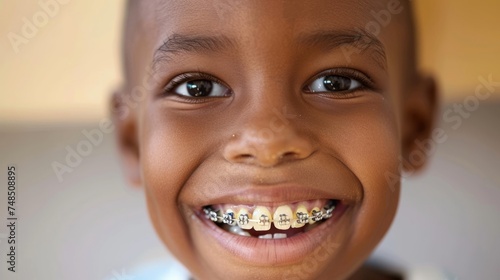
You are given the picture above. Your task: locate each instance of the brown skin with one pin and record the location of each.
(184, 154)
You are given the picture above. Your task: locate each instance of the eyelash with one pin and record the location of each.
(366, 83)
(186, 77)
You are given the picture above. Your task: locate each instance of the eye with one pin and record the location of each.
(340, 82)
(334, 83)
(201, 88)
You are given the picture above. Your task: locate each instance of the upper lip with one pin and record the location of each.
(275, 195)
(240, 185)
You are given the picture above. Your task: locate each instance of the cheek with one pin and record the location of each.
(366, 139)
(374, 158)
(170, 149)
(373, 155)
(371, 147)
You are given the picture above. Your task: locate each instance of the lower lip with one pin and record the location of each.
(267, 252)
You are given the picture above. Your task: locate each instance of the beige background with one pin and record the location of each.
(460, 40)
(66, 71)
(91, 225)
(64, 74)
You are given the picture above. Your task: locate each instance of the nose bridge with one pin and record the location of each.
(269, 123)
(268, 133)
(269, 102)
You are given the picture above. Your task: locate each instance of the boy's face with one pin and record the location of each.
(239, 104)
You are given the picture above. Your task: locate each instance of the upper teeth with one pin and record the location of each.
(243, 219)
(228, 218)
(282, 217)
(261, 218)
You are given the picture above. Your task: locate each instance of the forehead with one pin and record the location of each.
(209, 13)
(191, 9)
(253, 24)
(228, 15)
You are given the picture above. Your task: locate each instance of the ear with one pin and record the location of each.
(419, 111)
(124, 118)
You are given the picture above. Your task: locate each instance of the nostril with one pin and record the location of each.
(245, 156)
(288, 155)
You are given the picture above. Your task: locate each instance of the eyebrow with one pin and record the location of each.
(357, 38)
(326, 39)
(179, 43)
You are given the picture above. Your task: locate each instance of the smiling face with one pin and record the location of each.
(267, 134)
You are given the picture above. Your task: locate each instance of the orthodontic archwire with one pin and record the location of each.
(243, 219)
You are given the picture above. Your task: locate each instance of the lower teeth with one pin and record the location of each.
(279, 235)
(266, 236)
(236, 230)
(273, 236)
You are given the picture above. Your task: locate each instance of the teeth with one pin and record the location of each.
(279, 236)
(301, 217)
(315, 215)
(214, 215)
(282, 217)
(207, 210)
(261, 218)
(229, 218)
(244, 219)
(328, 211)
(266, 236)
(271, 236)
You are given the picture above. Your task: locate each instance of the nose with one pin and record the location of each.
(267, 140)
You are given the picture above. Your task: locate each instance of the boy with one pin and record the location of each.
(269, 135)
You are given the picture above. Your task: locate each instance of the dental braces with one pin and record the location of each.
(264, 220)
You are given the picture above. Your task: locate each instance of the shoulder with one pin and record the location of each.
(415, 273)
(375, 273)
(159, 270)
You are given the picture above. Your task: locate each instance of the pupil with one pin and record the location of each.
(199, 88)
(337, 83)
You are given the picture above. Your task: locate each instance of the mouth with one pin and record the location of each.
(271, 222)
(282, 225)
